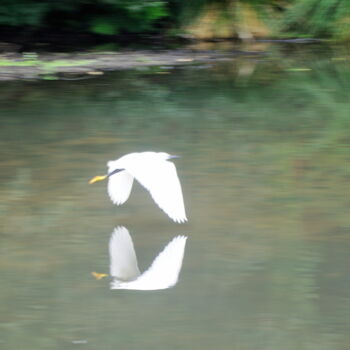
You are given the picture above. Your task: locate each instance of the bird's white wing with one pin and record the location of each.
(123, 261)
(161, 180)
(119, 187)
(165, 269)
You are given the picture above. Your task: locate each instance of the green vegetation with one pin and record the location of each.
(100, 17)
(45, 65)
(318, 18)
(201, 18)
(46, 69)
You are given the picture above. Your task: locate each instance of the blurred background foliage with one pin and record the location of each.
(101, 17)
(318, 18)
(204, 19)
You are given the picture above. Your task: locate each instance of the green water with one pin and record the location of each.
(265, 168)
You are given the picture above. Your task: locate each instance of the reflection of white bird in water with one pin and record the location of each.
(153, 171)
(163, 272)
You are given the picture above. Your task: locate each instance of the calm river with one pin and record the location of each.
(265, 169)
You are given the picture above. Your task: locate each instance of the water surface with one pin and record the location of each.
(264, 144)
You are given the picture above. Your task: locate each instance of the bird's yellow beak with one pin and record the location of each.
(99, 276)
(97, 178)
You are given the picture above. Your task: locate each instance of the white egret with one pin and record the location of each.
(154, 172)
(163, 272)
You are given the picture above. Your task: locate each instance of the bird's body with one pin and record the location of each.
(154, 172)
(163, 272)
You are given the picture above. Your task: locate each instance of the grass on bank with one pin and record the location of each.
(43, 65)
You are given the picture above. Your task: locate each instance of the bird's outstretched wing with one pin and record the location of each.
(165, 269)
(119, 187)
(161, 180)
(123, 261)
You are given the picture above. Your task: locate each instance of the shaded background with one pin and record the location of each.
(26, 22)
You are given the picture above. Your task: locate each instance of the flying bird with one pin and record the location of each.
(154, 172)
(163, 272)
